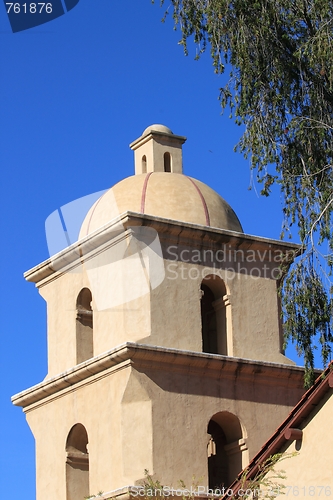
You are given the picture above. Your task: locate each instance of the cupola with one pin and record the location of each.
(160, 188)
(158, 150)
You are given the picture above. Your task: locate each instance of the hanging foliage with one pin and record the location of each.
(279, 55)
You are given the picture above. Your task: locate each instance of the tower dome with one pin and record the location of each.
(167, 195)
(160, 188)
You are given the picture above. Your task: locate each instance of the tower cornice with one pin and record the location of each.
(171, 230)
(143, 356)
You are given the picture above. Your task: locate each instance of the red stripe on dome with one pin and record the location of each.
(202, 200)
(144, 192)
(93, 210)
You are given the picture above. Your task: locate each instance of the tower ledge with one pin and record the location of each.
(155, 357)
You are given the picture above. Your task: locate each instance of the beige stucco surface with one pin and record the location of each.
(127, 308)
(309, 473)
(151, 410)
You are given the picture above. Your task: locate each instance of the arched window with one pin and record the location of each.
(144, 164)
(84, 326)
(227, 449)
(77, 463)
(214, 300)
(218, 474)
(167, 162)
(208, 321)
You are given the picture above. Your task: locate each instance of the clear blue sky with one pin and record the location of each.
(74, 93)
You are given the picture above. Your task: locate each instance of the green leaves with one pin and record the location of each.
(281, 89)
(308, 311)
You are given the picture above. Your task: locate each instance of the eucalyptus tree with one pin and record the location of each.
(279, 56)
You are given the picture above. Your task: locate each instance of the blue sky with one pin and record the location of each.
(74, 93)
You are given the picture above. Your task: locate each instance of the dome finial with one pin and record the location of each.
(157, 127)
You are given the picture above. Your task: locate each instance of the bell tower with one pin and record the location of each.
(164, 339)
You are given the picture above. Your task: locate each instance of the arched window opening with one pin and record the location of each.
(167, 162)
(218, 475)
(208, 321)
(77, 463)
(227, 450)
(144, 164)
(213, 315)
(84, 326)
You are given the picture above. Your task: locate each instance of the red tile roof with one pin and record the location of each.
(294, 421)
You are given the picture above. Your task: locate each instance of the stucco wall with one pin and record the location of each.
(126, 307)
(310, 473)
(154, 417)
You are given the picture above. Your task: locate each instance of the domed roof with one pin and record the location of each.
(169, 195)
(157, 128)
